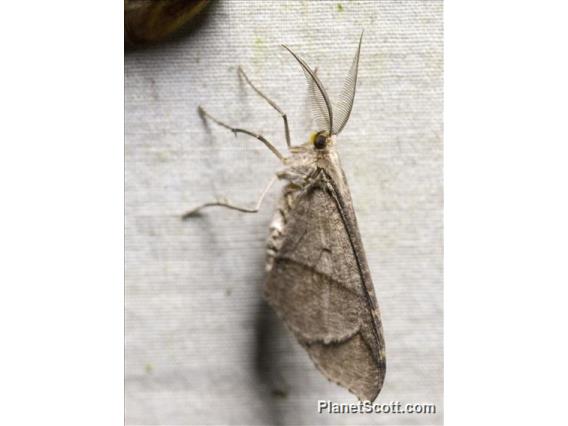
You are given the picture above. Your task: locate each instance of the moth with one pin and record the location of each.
(318, 281)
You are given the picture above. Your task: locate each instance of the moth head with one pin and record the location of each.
(321, 140)
(326, 122)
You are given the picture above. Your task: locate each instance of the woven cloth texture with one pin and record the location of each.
(201, 345)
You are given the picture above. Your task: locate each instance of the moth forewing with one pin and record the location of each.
(318, 280)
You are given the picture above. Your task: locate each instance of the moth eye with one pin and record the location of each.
(320, 142)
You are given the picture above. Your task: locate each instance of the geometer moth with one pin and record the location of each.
(318, 281)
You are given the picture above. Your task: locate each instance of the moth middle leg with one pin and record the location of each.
(227, 204)
(236, 130)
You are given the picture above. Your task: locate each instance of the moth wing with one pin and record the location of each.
(320, 285)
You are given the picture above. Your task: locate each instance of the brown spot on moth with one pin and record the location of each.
(318, 280)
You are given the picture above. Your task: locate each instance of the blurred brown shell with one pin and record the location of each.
(147, 21)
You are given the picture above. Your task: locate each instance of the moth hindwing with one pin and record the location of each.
(318, 280)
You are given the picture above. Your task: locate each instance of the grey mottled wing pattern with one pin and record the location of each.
(320, 285)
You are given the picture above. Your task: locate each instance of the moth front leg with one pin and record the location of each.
(272, 104)
(297, 177)
(227, 204)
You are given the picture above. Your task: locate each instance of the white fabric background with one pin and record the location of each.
(201, 345)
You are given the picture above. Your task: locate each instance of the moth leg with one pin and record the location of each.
(271, 103)
(229, 205)
(261, 138)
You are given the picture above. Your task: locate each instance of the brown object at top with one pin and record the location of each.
(147, 21)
